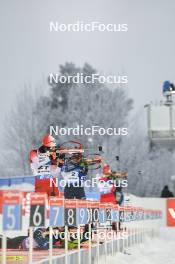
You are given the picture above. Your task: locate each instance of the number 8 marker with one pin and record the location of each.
(70, 212)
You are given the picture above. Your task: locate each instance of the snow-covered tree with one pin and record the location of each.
(23, 129)
(93, 105)
(149, 169)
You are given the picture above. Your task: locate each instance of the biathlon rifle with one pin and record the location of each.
(67, 152)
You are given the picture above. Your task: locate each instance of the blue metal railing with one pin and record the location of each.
(16, 180)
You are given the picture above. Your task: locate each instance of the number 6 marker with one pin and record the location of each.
(37, 210)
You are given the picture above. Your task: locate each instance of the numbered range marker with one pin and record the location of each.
(122, 214)
(127, 215)
(56, 212)
(102, 213)
(134, 214)
(115, 214)
(89, 214)
(109, 208)
(70, 212)
(12, 210)
(94, 206)
(38, 210)
(82, 213)
(141, 217)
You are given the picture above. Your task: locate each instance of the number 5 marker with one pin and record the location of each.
(12, 210)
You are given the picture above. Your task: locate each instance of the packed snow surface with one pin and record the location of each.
(159, 250)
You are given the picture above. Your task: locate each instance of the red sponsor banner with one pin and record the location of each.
(12, 197)
(94, 204)
(70, 203)
(121, 208)
(102, 205)
(107, 206)
(56, 201)
(110, 205)
(38, 198)
(82, 204)
(116, 207)
(170, 212)
(128, 208)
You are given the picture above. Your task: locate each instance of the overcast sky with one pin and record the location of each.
(29, 52)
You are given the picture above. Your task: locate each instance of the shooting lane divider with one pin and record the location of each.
(93, 209)
(131, 226)
(102, 220)
(98, 244)
(108, 219)
(50, 244)
(4, 248)
(137, 225)
(140, 226)
(79, 244)
(112, 215)
(90, 222)
(122, 219)
(135, 230)
(131, 229)
(66, 244)
(81, 219)
(70, 220)
(30, 245)
(115, 219)
(127, 219)
(117, 209)
(90, 243)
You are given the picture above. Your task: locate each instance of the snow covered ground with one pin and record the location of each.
(159, 250)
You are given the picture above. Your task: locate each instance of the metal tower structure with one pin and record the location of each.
(161, 119)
